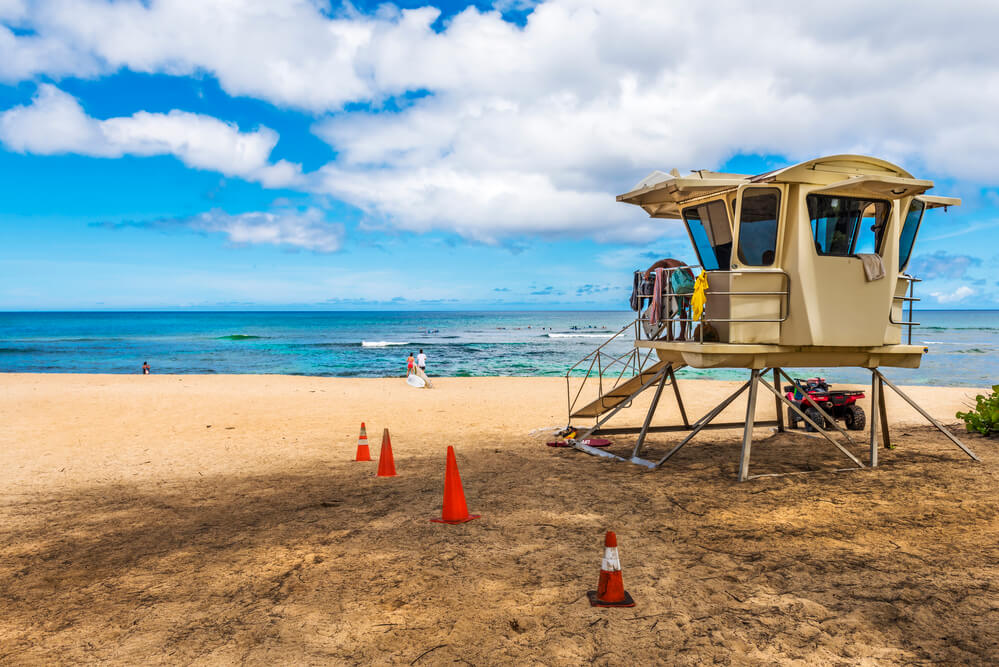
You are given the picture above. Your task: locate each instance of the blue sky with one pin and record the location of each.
(300, 154)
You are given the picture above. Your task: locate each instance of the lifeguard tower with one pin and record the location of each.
(804, 266)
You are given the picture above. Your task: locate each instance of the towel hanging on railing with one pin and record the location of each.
(656, 310)
(636, 292)
(700, 298)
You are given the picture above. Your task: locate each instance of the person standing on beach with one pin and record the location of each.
(421, 361)
(410, 364)
(145, 368)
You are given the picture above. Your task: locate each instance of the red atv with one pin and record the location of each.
(837, 404)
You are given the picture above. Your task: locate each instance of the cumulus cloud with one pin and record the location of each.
(960, 294)
(306, 229)
(534, 128)
(941, 264)
(55, 122)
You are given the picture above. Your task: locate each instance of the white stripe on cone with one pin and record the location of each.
(611, 561)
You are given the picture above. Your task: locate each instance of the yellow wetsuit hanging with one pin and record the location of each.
(698, 300)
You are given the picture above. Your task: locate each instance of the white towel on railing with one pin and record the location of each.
(874, 268)
(656, 310)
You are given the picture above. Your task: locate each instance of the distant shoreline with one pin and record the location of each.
(963, 344)
(278, 310)
(402, 376)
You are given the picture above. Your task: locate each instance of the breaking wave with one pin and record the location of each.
(577, 335)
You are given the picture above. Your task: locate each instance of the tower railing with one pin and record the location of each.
(906, 298)
(607, 369)
(663, 330)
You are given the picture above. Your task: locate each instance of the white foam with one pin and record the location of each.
(956, 342)
(579, 335)
(381, 343)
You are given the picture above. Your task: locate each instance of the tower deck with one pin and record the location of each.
(759, 356)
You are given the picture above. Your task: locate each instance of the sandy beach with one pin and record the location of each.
(221, 519)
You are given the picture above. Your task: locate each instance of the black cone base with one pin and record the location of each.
(597, 602)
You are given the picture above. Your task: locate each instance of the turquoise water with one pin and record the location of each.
(964, 345)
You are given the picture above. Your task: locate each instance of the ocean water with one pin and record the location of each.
(963, 345)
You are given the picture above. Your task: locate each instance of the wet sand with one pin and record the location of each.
(221, 519)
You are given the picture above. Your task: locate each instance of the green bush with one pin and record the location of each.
(985, 417)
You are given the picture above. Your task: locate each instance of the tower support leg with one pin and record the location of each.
(747, 434)
(679, 401)
(652, 411)
(777, 406)
(875, 415)
(885, 433)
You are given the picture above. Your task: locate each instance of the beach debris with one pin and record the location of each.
(429, 650)
(386, 464)
(610, 589)
(455, 509)
(363, 453)
(592, 442)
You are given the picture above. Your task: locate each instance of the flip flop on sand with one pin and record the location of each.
(592, 442)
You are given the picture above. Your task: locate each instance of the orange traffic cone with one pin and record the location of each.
(610, 591)
(386, 464)
(455, 509)
(363, 454)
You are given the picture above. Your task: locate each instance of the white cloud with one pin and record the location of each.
(305, 229)
(960, 294)
(483, 205)
(308, 229)
(535, 128)
(56, 123)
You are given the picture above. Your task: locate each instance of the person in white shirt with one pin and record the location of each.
(421, 361)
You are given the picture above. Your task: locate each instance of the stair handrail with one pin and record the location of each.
(630, 359)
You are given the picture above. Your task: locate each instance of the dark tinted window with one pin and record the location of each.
(845, 226)
(711, 233)
(758, 226)
(909, 229)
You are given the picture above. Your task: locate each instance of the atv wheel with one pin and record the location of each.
(814, 415)
(792, 418)
(854, 417)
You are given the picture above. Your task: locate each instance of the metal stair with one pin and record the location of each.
(621, 393)
(616, 378)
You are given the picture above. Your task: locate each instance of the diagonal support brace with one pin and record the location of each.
(925, 414)
(818, 428)
(826, 416)
(702, 422)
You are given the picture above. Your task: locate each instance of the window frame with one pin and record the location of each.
(902, 266)
(781, 189)
(686, 225)
(879, 242)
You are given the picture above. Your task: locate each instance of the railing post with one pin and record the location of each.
(600, 376)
